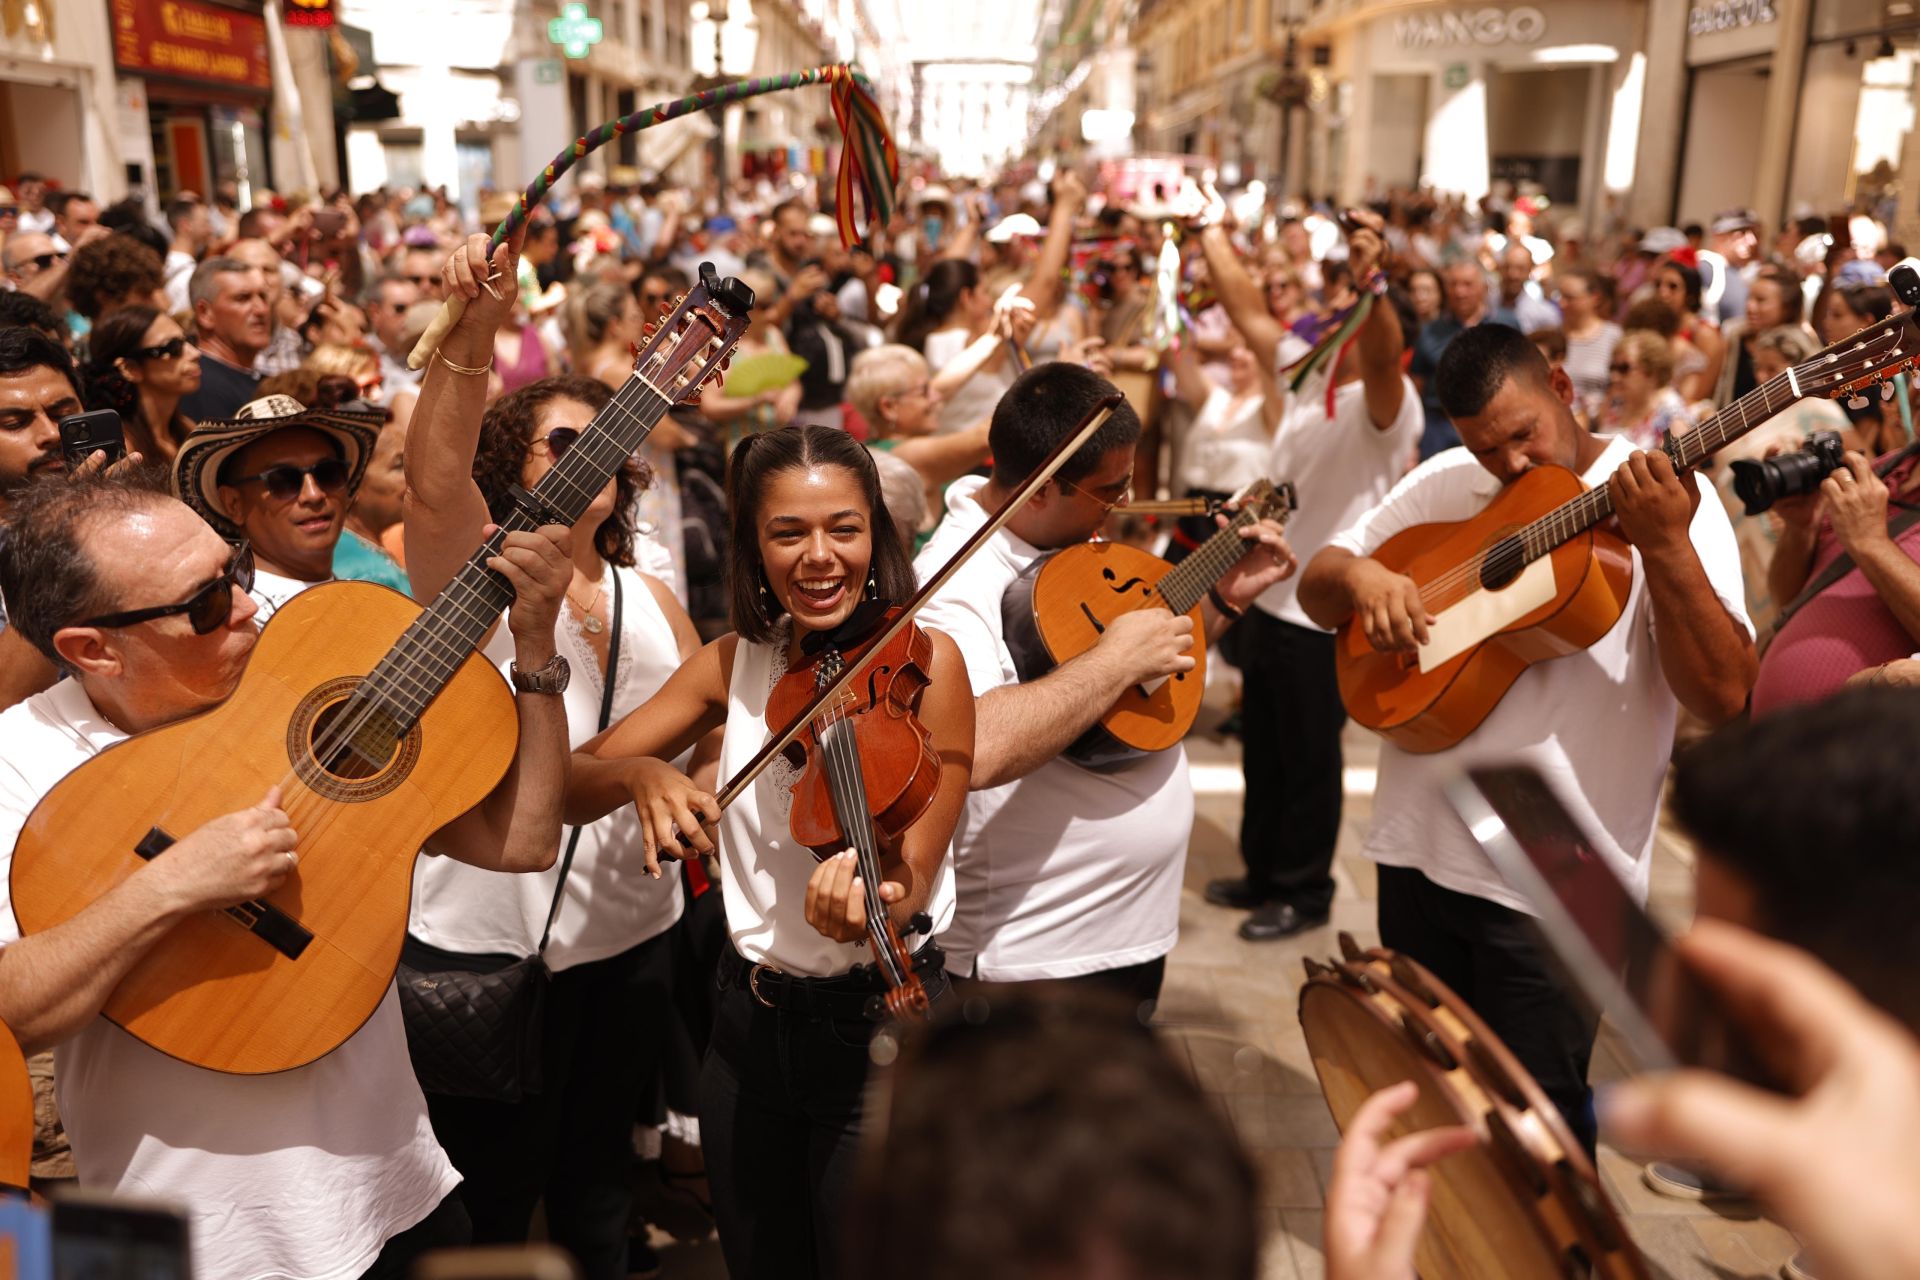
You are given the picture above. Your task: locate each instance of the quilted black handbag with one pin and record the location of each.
(475, 1023)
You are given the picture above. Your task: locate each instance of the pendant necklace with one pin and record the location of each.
(588, 619)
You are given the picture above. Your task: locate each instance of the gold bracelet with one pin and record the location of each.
(481, 372)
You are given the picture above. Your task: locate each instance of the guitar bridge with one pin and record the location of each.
(257, 916)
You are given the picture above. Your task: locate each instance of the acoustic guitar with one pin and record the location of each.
(381, 724)
(16, 1115)
(1534, 577)
(1061, 605)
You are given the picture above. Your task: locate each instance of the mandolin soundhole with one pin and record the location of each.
(349, 748)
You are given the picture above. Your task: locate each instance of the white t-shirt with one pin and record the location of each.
(1067, 870)
(1227, 445)
(303, 1173)
(1339, 467)
(611, 904)
(272, 590)
(973, 402)
(763, 871)
(1598, 723)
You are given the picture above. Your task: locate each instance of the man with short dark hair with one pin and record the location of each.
(37, 389)
(234, 323)
(192, 230)
(1063, 871)
(75, 213)
(387, 303)
(34, 214)
(788, 256)
(1599, 722)
(1465, 287)
(325, 1171)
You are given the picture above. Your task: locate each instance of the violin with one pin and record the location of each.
(867, 772)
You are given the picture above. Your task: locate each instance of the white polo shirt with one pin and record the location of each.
(1067, 870)
(1339, 467)
(303, 1173)
(1598, 723)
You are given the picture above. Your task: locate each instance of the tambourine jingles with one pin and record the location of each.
(1525, 1201)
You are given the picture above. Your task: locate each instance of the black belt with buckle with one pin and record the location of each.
(858, 994)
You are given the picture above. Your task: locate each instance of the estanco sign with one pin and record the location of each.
(1522, 24)
(1729, 15)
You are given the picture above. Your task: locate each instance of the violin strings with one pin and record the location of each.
(857, 824)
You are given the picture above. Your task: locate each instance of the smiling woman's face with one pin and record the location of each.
(816, 543)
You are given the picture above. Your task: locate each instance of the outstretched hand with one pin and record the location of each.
(1377, 1198)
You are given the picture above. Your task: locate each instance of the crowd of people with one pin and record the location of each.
(711, 1012)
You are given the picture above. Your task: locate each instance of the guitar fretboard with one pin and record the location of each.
(426, 656)
(1188, 582)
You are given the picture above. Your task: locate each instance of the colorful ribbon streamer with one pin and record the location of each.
(869, 163)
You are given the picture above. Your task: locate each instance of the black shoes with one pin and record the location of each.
(1278, 920)
(1237, 892)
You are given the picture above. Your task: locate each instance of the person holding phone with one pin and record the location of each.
(1683, 640)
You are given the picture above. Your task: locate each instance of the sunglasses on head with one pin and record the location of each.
(558, 441)
(284, 482)
(207, 609)
(168, 350)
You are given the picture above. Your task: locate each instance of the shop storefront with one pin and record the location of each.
(207, 83)
(1855, 138)
(1542, 96)
(1730, 56)
(57, 96)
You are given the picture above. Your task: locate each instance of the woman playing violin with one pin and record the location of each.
(781, 1091)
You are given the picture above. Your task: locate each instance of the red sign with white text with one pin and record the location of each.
(190, 41)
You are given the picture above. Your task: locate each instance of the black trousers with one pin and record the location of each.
(1138, 984)
(782, 1111)
(1492, 958)
(446, 1227)
(1291, 720)
(572, 1143)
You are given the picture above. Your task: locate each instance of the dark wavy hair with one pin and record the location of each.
(761, 457)
(506, 437)
(103, 386)
(934, 300)
(1689, 281)
(105, 271)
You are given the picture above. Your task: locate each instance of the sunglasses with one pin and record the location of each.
(168, 350)
(284, 482)
(9, 210)
(558, 441)
(207, 609)
(1621, 369)
(44, 260)
(425, 282)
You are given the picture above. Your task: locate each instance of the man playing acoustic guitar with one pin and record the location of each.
(327, 1170)
(1598, 722)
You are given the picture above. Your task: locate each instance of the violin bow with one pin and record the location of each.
(869, 163)
(853, 670)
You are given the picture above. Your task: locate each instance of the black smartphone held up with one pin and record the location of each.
(84, 434)
(1605, 945)
(99, 1237)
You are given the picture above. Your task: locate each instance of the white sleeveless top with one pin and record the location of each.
(764, 872)
(610, 904)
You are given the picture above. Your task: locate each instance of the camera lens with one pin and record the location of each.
(1761, 484)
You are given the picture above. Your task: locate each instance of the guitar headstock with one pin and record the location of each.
(1856, 363)
(694, 342)
(1266, 500)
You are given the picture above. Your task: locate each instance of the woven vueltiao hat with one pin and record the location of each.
(196, 467)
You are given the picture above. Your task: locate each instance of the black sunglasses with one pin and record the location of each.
(44, 260)
(168, 350)
(207, 609)
(285, 481)
(1619, 368)
(425, 282)
(559, 440)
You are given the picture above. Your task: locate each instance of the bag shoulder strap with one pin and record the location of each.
(606, 714)
(1843, 564)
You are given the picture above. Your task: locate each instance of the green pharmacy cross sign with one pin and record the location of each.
(574, 31)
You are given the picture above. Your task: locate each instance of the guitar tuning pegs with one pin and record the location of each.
(1886, 391)
(1856, 401)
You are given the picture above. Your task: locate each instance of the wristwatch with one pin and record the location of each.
(552, 678)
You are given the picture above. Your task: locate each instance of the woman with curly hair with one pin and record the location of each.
(141, 365)
(610, 948)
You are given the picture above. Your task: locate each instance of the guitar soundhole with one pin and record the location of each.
(345, 749)
(1502, 563)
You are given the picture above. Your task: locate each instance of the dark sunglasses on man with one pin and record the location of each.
(44, 261)
(207, 609)
(284, 482)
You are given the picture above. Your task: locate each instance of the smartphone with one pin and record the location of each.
(1603, 943)
(84, 434)
(329, 222)
(97, 1237)
(523, 1262)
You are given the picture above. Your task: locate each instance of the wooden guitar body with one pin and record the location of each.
(16, 1114)
(215, 992)
(1059, 608)
(1431, 710)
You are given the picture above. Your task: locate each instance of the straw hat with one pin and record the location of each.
(196, 467)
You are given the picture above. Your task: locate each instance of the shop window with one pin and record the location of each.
(1855, 133)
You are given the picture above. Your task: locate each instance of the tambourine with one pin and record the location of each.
(1524, 1201)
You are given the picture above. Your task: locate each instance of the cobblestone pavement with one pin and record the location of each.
(1228, 1010)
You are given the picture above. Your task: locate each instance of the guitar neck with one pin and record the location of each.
(426, 656)
(1576, 516)
(1187, 583)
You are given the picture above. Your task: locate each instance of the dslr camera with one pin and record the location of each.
(1761, 484)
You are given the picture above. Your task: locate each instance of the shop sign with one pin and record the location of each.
(1455, 76)
(1522, 24)
(1729, 15)
(310, 13)
(190, 41)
